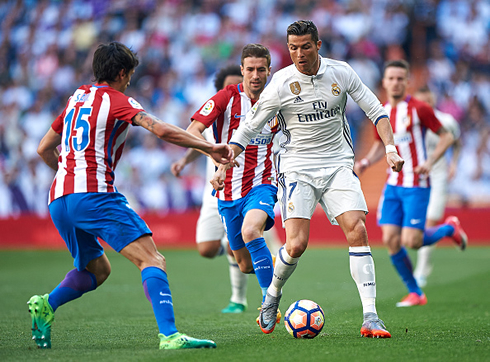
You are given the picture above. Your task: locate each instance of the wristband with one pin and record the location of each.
(391, 148)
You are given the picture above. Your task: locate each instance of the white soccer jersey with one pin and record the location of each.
(431, 140)
(311, 115)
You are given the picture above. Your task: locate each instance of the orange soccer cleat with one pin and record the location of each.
(459, 236)
(374, 329)
(412, 299)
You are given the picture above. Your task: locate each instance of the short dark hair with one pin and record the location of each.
(224, 72)
(303, 27)
(424, 89)
(256, 51)
(110, 59)
(400, 63)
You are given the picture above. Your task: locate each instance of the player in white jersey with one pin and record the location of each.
(315, 162)
(441, 173)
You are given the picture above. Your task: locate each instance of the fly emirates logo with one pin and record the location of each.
(320, 111)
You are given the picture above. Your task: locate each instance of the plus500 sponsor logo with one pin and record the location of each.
(261, 139)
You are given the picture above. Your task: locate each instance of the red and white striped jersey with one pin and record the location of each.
(410, 120)
(93, 127)
(223, 112)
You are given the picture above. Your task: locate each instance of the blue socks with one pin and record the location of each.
(157, 290)
(436, 233)
(262, 263)
(75, 284)
(403, 266)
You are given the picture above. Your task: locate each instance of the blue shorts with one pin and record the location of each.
(404, 206)
(83, 217)
(262, 197)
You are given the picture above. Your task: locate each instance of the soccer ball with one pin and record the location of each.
(304, 319)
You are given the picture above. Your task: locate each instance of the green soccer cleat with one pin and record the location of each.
(180, 341)
(42, 316)
(234, 308)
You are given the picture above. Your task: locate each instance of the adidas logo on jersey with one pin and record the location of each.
(298, 99)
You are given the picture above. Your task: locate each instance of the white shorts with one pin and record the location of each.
(337, 190)
(438, 198)
(209, 226)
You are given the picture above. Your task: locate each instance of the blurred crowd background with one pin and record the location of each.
(46, 48)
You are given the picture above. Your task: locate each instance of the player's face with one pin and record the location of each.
(125, 81)
(232, 79)
(304, 53)
(255, 72)
(395, 82)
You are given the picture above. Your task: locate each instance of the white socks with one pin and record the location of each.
(283, 269)
(238, 282)
(424, 266)
(362, 271)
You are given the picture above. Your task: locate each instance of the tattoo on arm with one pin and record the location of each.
(146, 120)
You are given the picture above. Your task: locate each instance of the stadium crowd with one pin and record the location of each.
(45, 46)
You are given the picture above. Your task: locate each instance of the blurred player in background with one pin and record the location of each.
(246, 204)
(403, 205)
(315, 162)
(84, 203)
(441, 174)
(210, 233)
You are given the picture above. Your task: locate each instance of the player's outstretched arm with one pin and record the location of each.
(218, 180)
(385, 132)
(221, 153)
(190, 155)
(446, 139)
(48, 148)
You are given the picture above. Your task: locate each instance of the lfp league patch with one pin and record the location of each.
(207, 108)
(134, 104)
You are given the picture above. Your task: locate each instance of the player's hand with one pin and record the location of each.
(452, 172)
(218, 180)
(221, 153)
(394, 161)
(177, 167)
(423, 169)
(361, 166)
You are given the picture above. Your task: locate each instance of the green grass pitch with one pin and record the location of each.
(116, 323)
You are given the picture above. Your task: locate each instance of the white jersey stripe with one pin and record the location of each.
(80, 180)
(100, 141)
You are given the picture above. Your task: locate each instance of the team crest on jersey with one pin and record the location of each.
(134, 104)
(335, 89)
(273, 122)
(295, 88)
(207, 108)
(291, 207)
